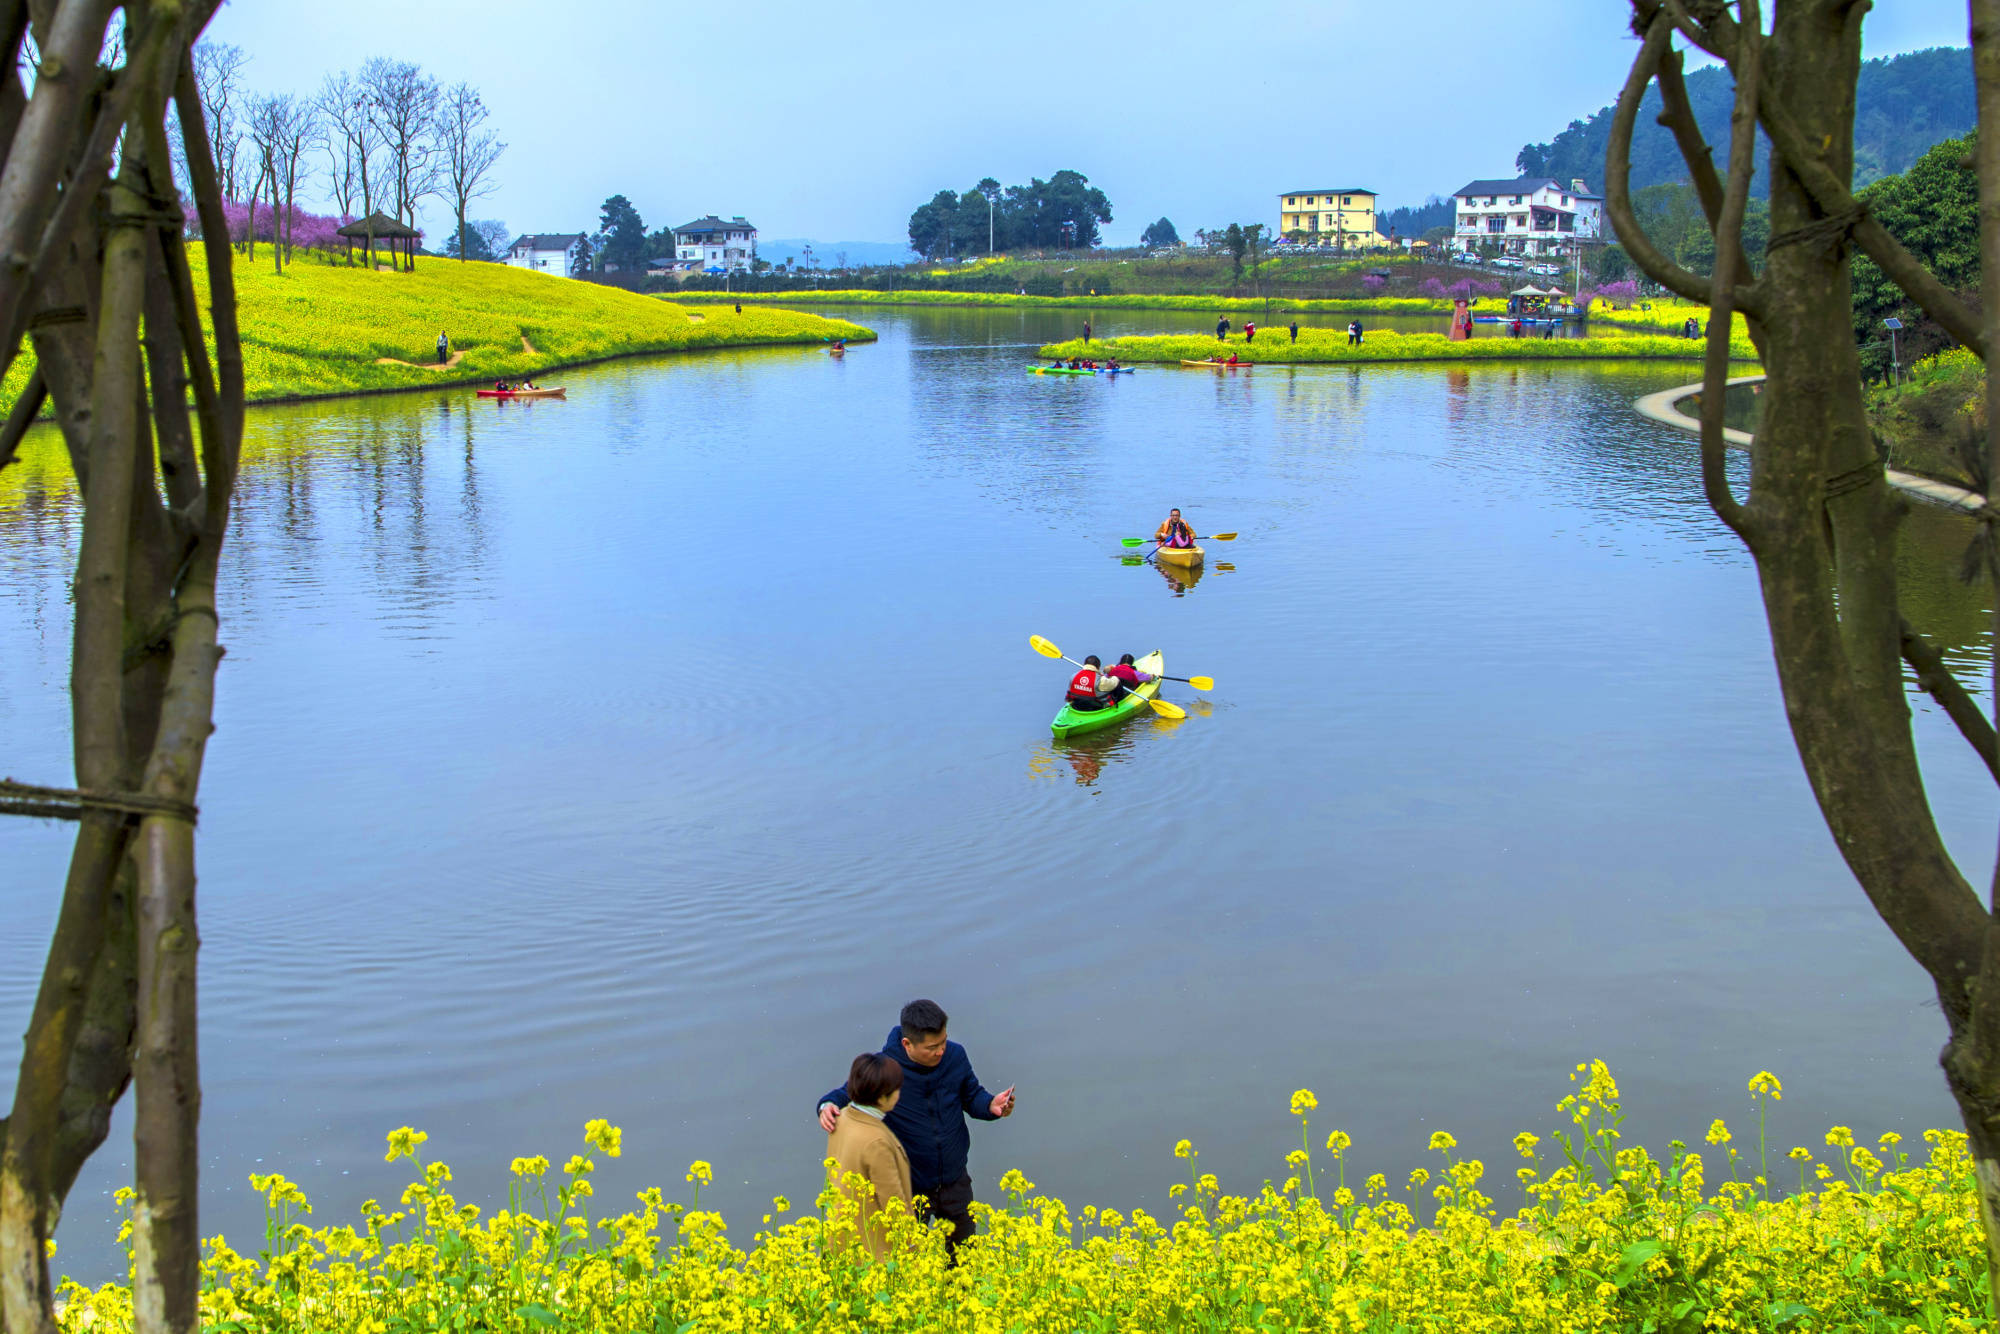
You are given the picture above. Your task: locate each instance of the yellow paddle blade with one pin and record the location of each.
(1166, 710)
(1043, 647)
(1220, 537)
(1202, 682)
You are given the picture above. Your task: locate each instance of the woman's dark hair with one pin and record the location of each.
(921, 1018)
(1124, 660)
(873, 1077)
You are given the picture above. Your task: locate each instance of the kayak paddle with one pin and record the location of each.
(1048, 650)
(1142, 541)
(1198, 682)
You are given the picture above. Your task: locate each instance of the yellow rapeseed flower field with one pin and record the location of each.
(1608, 1238)
(322, 328)
(1274, 346)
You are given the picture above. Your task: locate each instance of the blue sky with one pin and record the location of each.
(833, 121)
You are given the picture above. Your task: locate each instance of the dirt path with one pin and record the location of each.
(528, 347)
(456, 357)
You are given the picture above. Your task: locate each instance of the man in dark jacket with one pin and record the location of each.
(939, 1092)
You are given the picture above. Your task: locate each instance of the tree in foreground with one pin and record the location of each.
(88, 210)
(1819, 517)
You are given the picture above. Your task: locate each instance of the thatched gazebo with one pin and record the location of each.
(381, 227)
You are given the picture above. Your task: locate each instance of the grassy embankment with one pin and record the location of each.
(1935, 421)
(1609, 1237)
(324, 329)
(1274, 347)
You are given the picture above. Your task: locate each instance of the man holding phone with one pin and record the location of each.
(939, 1092)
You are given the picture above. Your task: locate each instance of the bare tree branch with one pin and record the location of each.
(1618, 170)
(1957, 702)
(26, 408)
(1722, 293)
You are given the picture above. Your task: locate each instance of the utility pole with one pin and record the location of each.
(1892, 324)
(989, 224)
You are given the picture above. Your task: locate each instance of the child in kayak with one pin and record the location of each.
(1091, 689)
(1174, 532)
(1129, 677)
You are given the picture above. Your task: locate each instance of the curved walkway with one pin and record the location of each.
(1661, 408)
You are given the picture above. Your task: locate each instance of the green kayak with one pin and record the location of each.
(1058, 370)
(1070, 722)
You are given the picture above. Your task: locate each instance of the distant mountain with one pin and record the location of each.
(825, 253)
(1903, 105)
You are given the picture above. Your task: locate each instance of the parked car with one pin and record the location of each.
(1547, 270)
(1507, 262)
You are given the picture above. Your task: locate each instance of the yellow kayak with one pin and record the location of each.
(1189, 556)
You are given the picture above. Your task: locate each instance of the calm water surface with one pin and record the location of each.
(637, 756)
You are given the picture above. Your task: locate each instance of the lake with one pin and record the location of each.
(639, 755)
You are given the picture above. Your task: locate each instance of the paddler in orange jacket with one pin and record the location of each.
(1174, 532)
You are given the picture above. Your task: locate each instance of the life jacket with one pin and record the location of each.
(1084, 684)
(1180, 535)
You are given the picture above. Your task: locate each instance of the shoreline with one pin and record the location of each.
(47, 415)
(1328, 347)
(1664, 407)
(459, 382)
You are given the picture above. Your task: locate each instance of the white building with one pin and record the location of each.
(544, 253)
(711, 245)
(1532, 215)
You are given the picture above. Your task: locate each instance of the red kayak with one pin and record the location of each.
(521, 393)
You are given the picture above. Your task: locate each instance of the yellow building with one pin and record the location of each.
(1344, 217)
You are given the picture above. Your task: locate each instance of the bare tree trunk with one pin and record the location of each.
(1819, 518)
(143, 658)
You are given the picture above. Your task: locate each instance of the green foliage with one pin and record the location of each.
(1419, 220)
(1159, 234)
(1904, 104)
(621, 235)
(1063, 211)
(483, 241)
(1935, 421)
(1672, 217)
(1933, 209)
(1609, 1237)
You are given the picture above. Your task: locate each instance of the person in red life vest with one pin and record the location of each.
(1174, 532)
(1091, 688)
(1128, 676)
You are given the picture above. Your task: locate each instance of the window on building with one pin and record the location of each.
(1496, 224)
(1346, 199)
(1566, 223)
(1565, 201)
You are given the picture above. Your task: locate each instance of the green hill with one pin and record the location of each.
(324, 328)
(1903, 105)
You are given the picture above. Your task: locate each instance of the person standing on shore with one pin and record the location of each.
(861, 1143)
(1360, 334)
(1249, 331)
(1086, 333)
(1221, 328)
(939, 1092)
(444, 346)
(1295, 331)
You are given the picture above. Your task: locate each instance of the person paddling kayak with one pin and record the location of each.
(1091, 688)
(1127, 676)
(1174, 532)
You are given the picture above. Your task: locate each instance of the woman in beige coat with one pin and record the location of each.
(861, 1143)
